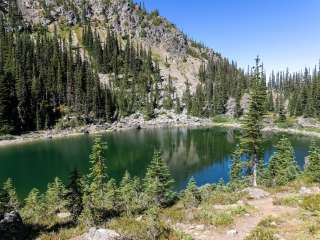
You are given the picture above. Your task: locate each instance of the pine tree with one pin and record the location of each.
(112, 197)
(178, 106)
(55, 198)
(129, 190)
(282, 165)
(282, 116)
(251, 140)
(4, 202)
(158, 182)
(33, 208)
(192, 195)
(74, 195)
(6, 104)
(97, 173)
(94, 187)
(13, 198)
(236, 172)
(313, 163)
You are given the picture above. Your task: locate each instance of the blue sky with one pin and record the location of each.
(283, 32)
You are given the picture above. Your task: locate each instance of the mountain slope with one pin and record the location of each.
(178, 56)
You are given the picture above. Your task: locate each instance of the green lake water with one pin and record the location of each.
(203, 153)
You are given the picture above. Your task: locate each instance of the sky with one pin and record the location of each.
(284, 33)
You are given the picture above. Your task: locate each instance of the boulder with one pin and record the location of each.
(309, 191)
(256, 193)
(12, 227)
(232, 233)
(101, 234)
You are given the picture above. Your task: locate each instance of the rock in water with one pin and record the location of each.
(12, 227)
(101, 234)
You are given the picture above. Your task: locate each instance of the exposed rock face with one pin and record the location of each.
(12, 227)
(170, 45)
(245, 101)
(308, 122)
(231, 107)
(121, 16)
(101, 234)
(256, 193)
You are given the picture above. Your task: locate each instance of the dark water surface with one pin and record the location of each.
(202, 153)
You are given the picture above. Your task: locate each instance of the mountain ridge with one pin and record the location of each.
(178, 56)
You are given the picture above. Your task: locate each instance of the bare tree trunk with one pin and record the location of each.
(254, 171)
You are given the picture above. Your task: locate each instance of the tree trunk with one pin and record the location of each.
(254, 171)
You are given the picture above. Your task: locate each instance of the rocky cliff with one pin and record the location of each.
(178, 56)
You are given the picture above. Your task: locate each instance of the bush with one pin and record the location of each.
(311, 203)
(264, 231)
(221, 119)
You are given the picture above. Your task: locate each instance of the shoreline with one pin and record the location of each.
(130, 123)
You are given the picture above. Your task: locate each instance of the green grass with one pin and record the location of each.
(311, 203)
(223, 119)
(292, 201)
(265, 230)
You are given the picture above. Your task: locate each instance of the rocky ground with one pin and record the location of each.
(272, 217)
(163, 119)
(135, 121)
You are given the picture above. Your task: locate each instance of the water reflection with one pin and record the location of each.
(202, 153)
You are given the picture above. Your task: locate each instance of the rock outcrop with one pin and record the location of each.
(101, 234)
(178, 56)
(12, 227)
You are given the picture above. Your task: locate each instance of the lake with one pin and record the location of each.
(203, 153)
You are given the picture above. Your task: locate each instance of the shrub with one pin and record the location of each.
(311, 203)
(191, 196)
(264, 231)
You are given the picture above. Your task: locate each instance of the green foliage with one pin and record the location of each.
(260, 233)
(252, 137)
(311, 203)
(10, 190)
(312, 169)
(130, 190)
(4, 202)
(55, 201)
(74, 195)
(94, 186)
(191, 195)
(282, 166)
(33, 210)
(236, 172)
(158, 182)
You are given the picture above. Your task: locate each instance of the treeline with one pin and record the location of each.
(219, 80)
(301, 89)
(133, 77)
(41, 76)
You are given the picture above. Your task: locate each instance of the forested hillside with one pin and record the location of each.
(65, 64)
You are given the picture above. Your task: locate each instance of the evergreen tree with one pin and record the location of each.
(158, 182)
(95, 187)
(313, 163)
(4, 202)
(282, 165)
(8, 187)
(236, 173)
(130, 196)
(74, 195)
(251, 140)
(55, 198)
(192, 195)
(33, 208)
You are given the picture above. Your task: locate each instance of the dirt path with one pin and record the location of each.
(243, 225)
